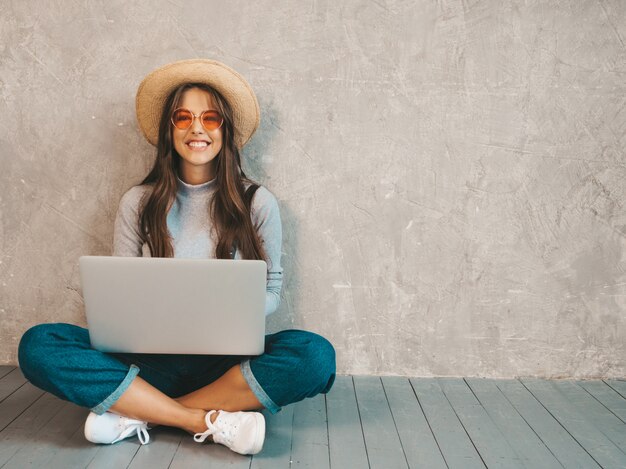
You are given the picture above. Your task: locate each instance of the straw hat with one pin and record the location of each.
(156, 87)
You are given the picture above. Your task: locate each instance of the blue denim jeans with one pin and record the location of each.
(58, 358)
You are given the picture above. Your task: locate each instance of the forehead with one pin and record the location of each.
(196, 99)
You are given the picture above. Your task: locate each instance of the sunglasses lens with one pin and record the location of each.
(211, 120)
(182, 118)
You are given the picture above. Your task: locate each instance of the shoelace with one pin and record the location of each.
(200, 437)
(142, 434)
(140, 427)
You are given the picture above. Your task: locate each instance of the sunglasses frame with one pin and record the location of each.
(194, 116)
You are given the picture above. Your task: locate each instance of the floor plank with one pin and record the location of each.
(456, 446)
(592, 411)
(618, 385)
(420, 446)
(485, 435)
(75, 452)
(50, 439)
(365, 421)
(310, 435)
(20, 432)
(566, 449)
(599, 447)
(346, 443)
(17, 402)
(605, 394)
(5, 370)
(382, 441)
(10, 382)
(521, 437)
(192, 455)
(276, 453)
(113, 456)
(164, 442)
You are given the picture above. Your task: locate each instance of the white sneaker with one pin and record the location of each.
(110, 428)
(242, 432)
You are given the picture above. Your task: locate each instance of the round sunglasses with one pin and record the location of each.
(183, 119)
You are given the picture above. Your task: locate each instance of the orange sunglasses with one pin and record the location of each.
(183, 119)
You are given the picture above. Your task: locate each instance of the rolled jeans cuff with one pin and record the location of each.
(256, 388)
(115, 395)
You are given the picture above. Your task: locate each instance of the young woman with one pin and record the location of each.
(195, 202)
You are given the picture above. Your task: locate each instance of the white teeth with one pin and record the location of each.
(198, 144)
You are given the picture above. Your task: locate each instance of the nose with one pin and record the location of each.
(196, 125)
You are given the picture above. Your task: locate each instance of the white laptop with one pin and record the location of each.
(169, 305)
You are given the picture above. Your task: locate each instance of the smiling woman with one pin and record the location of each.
(196, 202)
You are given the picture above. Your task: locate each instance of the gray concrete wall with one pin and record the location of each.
(450, 174)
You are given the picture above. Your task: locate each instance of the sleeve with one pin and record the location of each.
(266, 219)
(126, 238)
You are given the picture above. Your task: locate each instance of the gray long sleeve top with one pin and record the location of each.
(193, 232)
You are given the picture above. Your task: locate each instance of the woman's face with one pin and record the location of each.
(196, 145)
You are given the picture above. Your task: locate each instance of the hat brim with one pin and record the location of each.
(157, 86)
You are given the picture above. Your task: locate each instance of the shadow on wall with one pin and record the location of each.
(252, 158)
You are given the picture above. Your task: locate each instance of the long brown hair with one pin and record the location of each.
(229, 208)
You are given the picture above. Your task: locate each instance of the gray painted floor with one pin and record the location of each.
(387, 422)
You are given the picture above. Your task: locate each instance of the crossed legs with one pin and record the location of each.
(58, 358)
(143, 401)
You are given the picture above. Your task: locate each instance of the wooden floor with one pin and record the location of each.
(363, 422)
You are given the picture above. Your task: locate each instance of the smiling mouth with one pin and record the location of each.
(198, 145)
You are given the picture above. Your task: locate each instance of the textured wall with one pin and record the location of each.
(450, 174)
